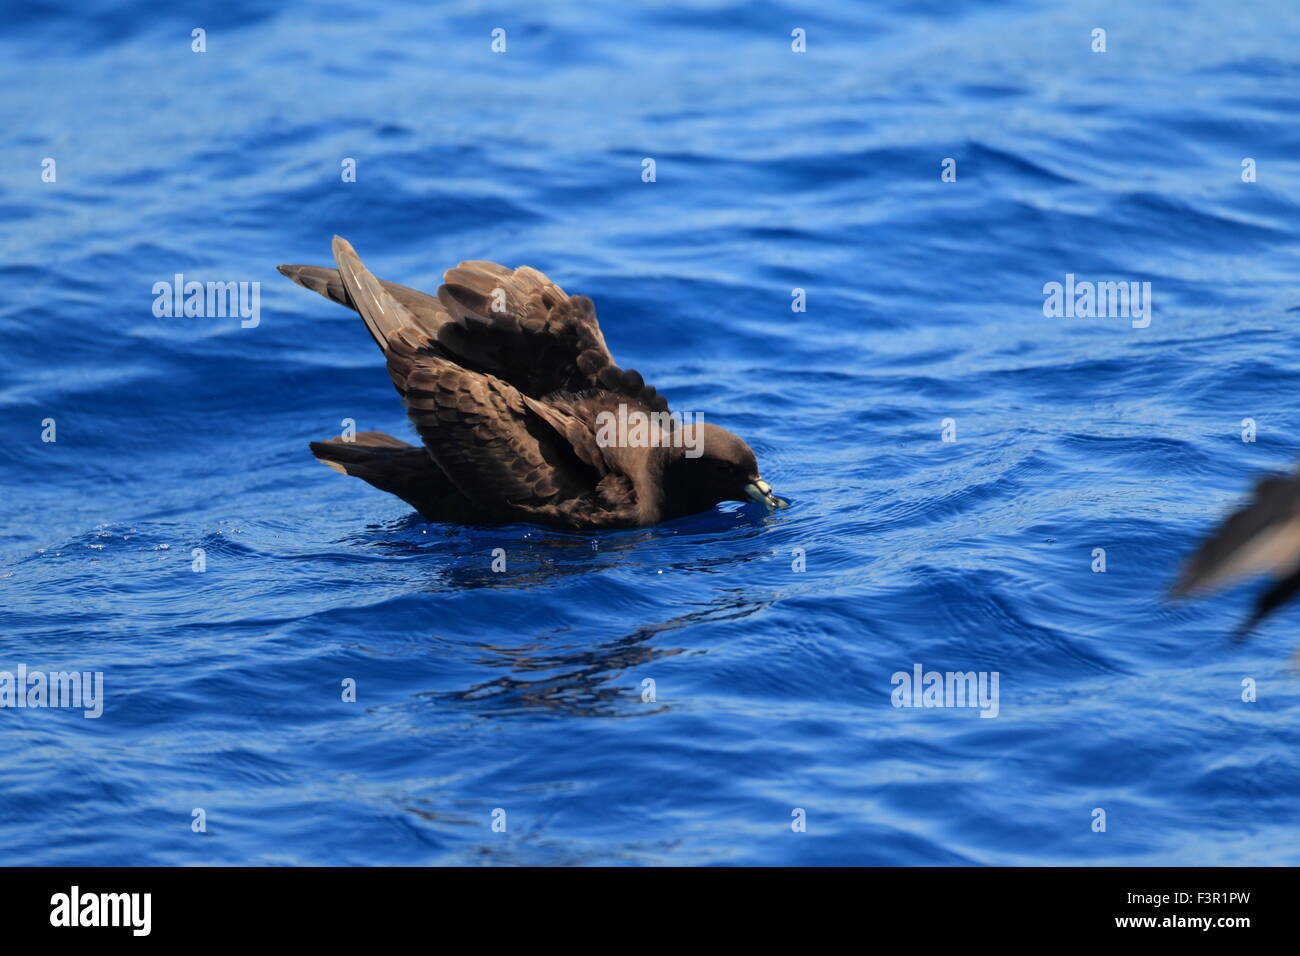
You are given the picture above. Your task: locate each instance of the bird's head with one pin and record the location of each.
(718, 466)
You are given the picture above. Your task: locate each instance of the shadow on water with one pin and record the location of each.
(516, 557)
(578, 682)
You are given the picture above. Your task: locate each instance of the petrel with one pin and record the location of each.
(509, 384)
(1260, 537)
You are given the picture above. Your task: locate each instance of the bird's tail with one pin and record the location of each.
(391, 465)
(360, 453)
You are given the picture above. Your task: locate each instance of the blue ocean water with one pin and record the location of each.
(518, 695)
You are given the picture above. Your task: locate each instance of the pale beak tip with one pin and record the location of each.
(760, 492)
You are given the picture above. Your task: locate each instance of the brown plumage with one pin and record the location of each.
(504, 376)
(1261, 537)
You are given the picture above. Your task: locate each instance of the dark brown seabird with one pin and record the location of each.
(1261, 537)
(504, 377)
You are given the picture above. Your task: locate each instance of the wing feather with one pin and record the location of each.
(498, 447)
(514, 324)
(1263, 536)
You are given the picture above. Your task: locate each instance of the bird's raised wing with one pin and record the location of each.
(1263, 536)
(425, 311)
(514, 324)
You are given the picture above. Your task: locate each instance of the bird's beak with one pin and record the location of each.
(760, 491)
